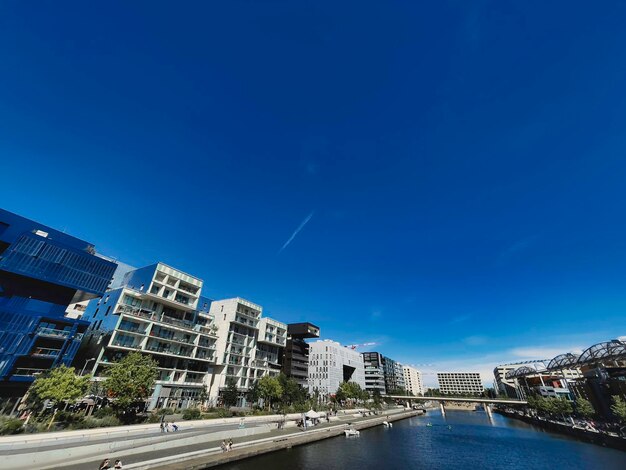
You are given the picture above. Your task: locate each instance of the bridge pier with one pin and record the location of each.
(443, 410)
(488, 410)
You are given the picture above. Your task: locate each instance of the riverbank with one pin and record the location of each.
(598, 438)
(213, 456)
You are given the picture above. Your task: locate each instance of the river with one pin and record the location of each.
(460, 440)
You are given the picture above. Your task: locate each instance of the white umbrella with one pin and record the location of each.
(312, 414)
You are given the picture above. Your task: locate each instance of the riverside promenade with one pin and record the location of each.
(196, 445)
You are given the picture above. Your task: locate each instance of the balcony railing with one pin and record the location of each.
(153, 316)
(171, 338)
(28, 372)
(168, 351)
(52, 333)
(45, 352)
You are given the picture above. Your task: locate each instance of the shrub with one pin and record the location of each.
(165, 411)
(104, 411)
(191, 413)
(91, 423)
(224, 413)
(10, 425)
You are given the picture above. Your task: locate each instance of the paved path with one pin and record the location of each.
(210, 445)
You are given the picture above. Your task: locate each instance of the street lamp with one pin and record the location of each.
(82, 372)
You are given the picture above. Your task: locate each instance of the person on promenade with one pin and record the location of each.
(162, 426)
(224, 447)
(230, 445)
(174, 426)
(118, 465)
(105, 465)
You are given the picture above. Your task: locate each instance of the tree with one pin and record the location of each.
(584, 408)
(562, 406)
(619, 408)
(230, 394)
(293, 393)
(130, 380)
(349, 391)
(60, 385)
(269, 389)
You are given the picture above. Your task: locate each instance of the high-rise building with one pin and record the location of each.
(413, 381)
(374, 372)
(394, 375)
(158, 311)
(454, 383)
(330, 363)
(248, 346)
(42, 271)
(296, 354)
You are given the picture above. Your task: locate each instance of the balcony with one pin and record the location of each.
(177, 339)
(249, 323)
(153, 316)
(162, 350)
(45, 352)
(125, 344)
(53, 333)
(26, 372)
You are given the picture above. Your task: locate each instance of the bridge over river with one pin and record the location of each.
(487, 402)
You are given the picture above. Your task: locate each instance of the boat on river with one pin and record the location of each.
(351, 431)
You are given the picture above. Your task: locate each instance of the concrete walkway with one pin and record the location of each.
(205, 450)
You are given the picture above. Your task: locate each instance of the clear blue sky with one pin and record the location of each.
(464, 162)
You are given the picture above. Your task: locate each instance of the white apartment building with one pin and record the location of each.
(453, 383)
(248, 346)
(158, 311)
(413, 380)
(330, 363)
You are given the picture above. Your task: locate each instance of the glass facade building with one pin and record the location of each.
(42, 271)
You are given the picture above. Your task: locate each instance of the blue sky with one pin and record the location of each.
(457, 169)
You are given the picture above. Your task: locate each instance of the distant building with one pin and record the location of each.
(330, 363)
(296, 354)
(394, 375)
(454, 383)
(42, 271)
(158, 311)
(374, 372)
(248, 346)
(413, 381)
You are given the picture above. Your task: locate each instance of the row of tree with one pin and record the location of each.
(582, 407)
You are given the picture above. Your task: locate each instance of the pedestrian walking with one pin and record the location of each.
(230, 445)
(224, 447)
(118, 465)
(105, 465)
(162, 426)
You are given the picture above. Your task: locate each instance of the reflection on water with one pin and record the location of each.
(461, 439)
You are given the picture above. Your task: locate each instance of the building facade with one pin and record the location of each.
(42, 271)
(374, 372)
(295, 362)
(413, 381)
(158, 311)
(248, 346)
(460, 383)
(394, 375)
(330, 363)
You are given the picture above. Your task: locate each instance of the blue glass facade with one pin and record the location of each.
(42, 271)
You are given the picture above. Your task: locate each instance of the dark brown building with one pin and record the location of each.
(296, 354)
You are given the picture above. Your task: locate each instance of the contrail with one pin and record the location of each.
(293, 235)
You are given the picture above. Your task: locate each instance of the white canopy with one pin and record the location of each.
(312, 414)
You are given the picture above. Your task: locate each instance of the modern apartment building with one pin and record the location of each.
(158, 311)
(374, 372)
(455, 383)
(248, 345)
(330, 363)
(413, 381)
(394, 375)
(296, 354)
(42, 271)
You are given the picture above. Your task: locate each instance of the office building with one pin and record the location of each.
(374, 372)
(460, 383)
(413, 381)
(330, 363)
(296, 354)
(42, 271)
(158, 311)
(248, 346)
